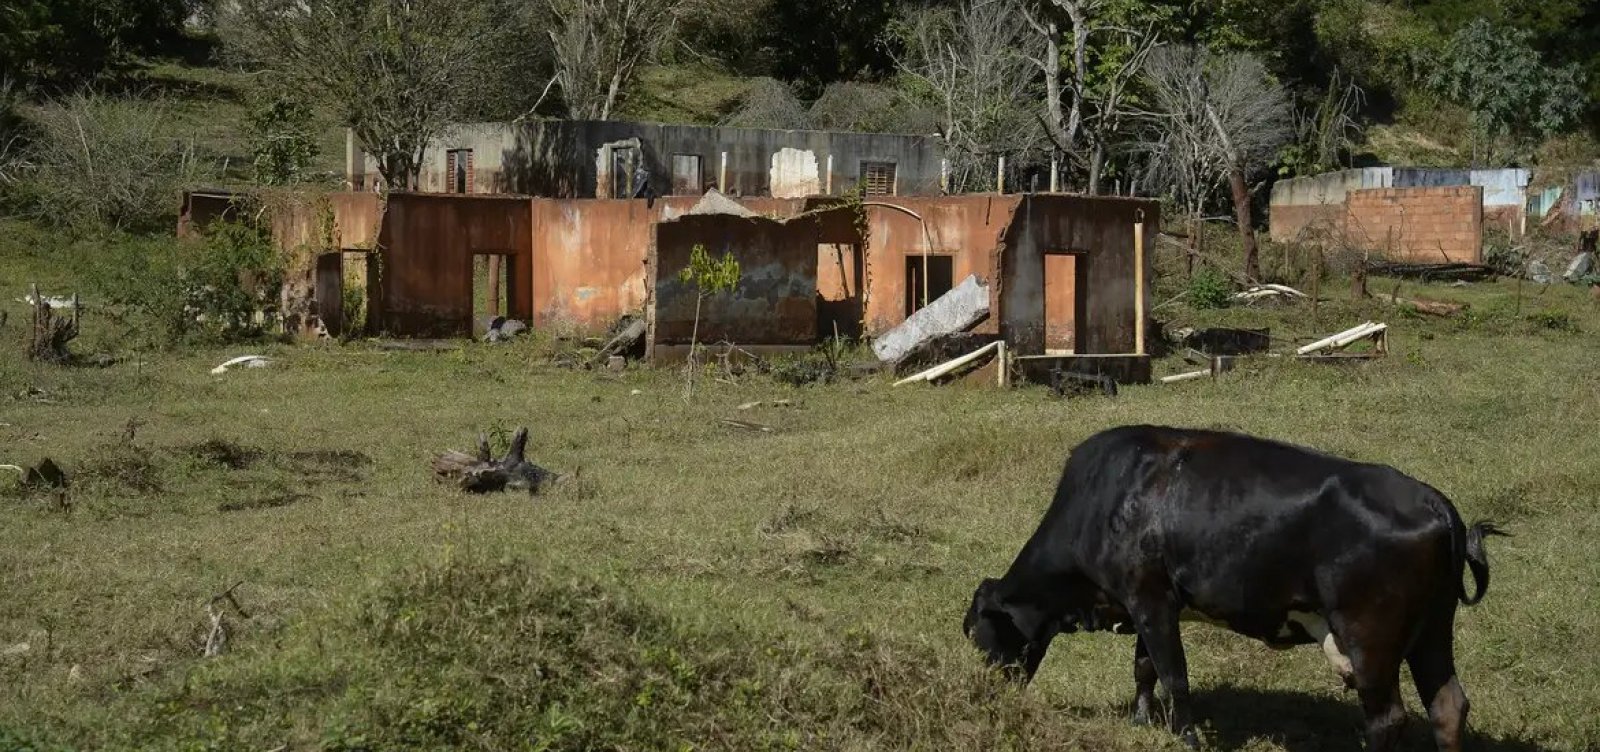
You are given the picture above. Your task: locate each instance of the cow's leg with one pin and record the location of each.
(1157, 622)
(1433, 668)
(1374, 644)
(1144, 684)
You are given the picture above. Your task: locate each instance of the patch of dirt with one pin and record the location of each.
(262, 502)
(225, 453)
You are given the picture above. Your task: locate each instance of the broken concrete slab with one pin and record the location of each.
(715, 202)
(954, 311)
(1581, 265)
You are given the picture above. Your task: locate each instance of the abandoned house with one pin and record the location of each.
(1066, 276)
(613, 159)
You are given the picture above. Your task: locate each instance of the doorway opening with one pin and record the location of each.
(329, 293)
(355, 296)
(491, 274)
(927, 278)
(1064, 302)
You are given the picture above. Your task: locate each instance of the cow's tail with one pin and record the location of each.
(1478, 559)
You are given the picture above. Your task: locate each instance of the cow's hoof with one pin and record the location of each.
(1141, 717)
(1349, 681)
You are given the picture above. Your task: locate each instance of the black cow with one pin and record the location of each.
(1153, 525)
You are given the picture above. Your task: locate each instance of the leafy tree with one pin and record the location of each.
(398, 72)
(283, 138)
(709, 277)
(61, 42)
(1497, 75)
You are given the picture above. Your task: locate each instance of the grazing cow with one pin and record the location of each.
(1153, 525)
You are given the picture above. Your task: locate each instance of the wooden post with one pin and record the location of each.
(1000, 176)
(722, 175)
(1138, 283)
(827, 185)
(944, 176)
(1054, 175)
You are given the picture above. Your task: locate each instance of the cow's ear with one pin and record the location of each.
(1031, 621)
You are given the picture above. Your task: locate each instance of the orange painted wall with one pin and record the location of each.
(428, 243)
(590, 256)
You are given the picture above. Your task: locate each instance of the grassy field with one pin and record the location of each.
(699, 586)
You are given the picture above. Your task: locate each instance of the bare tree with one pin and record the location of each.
(599, 45)
(398, 71)
(973, 63)
(1224, 112)
(1093, 104)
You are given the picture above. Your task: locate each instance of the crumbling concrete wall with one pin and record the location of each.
(1312, 207)
(1099, 233)
(775, 301)
(591, 256)
(1423, 225)
(557, 158)
(969, 229)
(308, 226)
(428, 244)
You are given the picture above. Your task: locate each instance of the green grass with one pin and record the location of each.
(706, 586)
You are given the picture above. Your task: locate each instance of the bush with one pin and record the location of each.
(210, 288)
(97, 161)
(1209, 289)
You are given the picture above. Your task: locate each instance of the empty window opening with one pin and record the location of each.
(927, 278)
(1064, 302)
(686, 175)
(877, 178)
(458, 171)
(491, 274)
(624, 165)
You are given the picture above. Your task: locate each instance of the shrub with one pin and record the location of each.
(1209, 289)
(220, 286)
(97, 161)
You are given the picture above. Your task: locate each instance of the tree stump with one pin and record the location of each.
(51, 333)
(484, 474)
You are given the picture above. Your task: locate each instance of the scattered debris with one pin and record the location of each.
(1582, 264)
(1447, 271)
(745, 424)
(1065, 383)
(1218, 364)
(628, 332)
(483, 474)
(758, 403)
(1186, 376)
(1228, 341)
(636, 392)
(1431, 307)
(17, 649)
(1374, 331)
(502, 329)
(940, 349)
(998, 347)
(954, 311)
(418, 345)
(616, 363)
(1539, 272)
(248, 361)
(1259, 292)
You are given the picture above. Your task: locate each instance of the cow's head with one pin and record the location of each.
(1013, 635)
